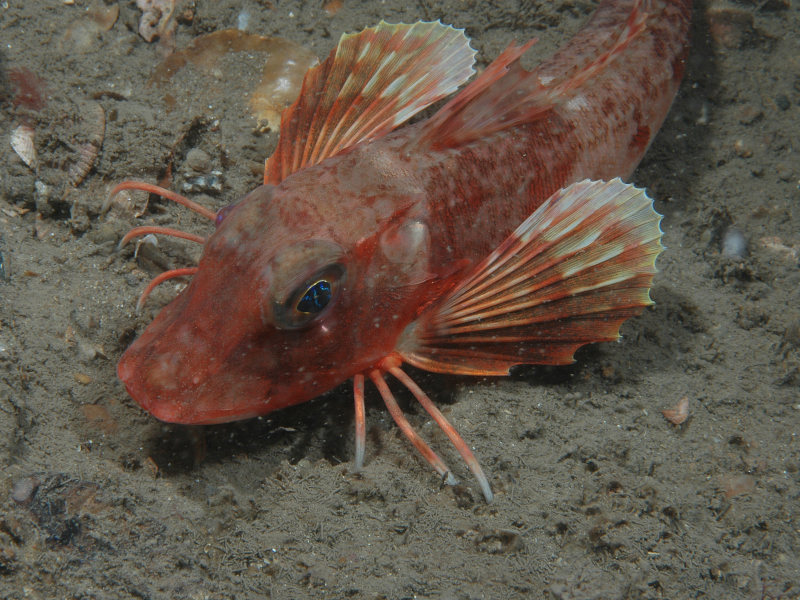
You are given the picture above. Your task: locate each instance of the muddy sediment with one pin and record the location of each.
(598, 495)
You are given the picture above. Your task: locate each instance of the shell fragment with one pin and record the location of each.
(22, 143)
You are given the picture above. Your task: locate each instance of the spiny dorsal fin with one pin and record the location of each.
(372, 82)
(506, 95)
(571, 274)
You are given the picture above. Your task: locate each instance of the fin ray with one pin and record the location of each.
(505, 95)
(571, 274)
(371, 83)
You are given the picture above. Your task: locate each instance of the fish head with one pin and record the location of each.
(280, 311)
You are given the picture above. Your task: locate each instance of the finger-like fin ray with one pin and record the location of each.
(391, 365)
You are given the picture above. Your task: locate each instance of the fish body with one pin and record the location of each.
(464, 243)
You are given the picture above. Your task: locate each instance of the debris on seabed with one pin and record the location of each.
(734, 244)
(281, 77)
(774, 244)
(125, 205)
(88, 151)
(30, 89)
(22, 143)
(736, 485)
(157, 20)
(331, 7)
(678, 413)
(82, 34)
(211, 183)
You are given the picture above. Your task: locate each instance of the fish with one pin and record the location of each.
(499, 231)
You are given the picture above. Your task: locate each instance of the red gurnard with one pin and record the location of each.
(495, 233)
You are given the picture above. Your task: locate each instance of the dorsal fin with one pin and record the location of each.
(371, 82)
(506, 95)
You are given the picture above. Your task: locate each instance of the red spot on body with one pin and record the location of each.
(640, 139)
(29, 88)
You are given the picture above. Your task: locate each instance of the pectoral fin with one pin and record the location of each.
(571, 274)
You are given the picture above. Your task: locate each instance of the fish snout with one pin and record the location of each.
(187, 388)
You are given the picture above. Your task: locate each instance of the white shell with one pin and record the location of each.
(22, 143)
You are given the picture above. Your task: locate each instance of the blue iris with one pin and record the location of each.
(316, 298)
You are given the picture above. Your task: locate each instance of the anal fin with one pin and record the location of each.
(569, 275)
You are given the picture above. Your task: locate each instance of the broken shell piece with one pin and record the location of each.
(104, 16)
(774, 244)
(736, 485)
(143, 243)
(211, 182)
(731, 27)
(280, 84)
(22, 143)
(678, 413)
(332, 6)
(156, 21)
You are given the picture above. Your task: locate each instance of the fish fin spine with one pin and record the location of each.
(506, 95)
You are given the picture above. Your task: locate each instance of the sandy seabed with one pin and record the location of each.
(597, 494)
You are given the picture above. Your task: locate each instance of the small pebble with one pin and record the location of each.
(782, 102)
(742, 149)
(749, 114)
(734, 244)
(784, 172)
(23, 489)
(198, 160)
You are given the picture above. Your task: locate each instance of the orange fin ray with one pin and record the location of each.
(156, 230)
(397, 414)
(505, 95)
(455, 438)
(161, 278)
(361, 423)
(391, 365)
(371, 83)
(143, 186)
(571, 274)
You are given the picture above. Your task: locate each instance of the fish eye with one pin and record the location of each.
(309, 300)
(316, 298)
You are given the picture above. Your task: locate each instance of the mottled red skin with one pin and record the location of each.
(215, 354)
